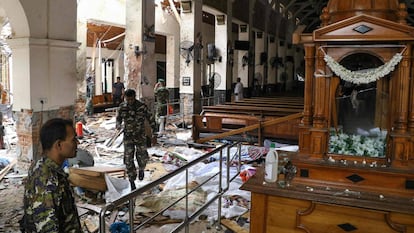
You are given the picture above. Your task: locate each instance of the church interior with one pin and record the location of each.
(333, 78)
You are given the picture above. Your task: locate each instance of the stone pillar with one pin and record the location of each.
(229, 51)
(81, 67)
(271, 70)
(44, 67)
(252, 40)
(190, 72)
(173, 66)
(149, 67)
(258, 49)
(242, 58)
(42, 85)
(220, 62)
(265, 62)
(133, 45)
(281, 52)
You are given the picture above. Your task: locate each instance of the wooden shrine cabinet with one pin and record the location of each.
(358, 85)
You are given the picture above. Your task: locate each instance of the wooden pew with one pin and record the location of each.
(101, 102)
(276, 105)
(281, 127)
(273, 101)
(226, 117)
(259, 99)
(252, 110)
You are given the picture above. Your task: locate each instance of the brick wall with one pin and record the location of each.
(28, 125)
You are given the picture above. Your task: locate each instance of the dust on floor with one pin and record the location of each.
(11, 189)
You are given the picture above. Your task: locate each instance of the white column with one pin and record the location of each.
(132, 43)
(229, 50)
(173, 62)
(149, 65)
(190, 73)
(221, 46)
(271, 71)
(242, 55)
(259, 49)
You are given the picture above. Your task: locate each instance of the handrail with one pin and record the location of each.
(130, 197)
(251, 127)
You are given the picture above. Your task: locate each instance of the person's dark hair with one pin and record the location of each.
(53, 130)
(130, 93)
(118, 78)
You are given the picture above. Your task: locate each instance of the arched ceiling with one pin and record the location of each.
(308, 11)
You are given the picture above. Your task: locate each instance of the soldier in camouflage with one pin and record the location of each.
(48, 200)
(161, 94)
(134, 113)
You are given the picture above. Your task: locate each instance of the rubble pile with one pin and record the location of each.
(101, 146)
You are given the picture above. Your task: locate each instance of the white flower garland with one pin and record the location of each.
(363, 77)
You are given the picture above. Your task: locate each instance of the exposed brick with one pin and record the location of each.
(28, 124)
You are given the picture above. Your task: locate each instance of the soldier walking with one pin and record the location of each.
(161, 94)
(134, 113)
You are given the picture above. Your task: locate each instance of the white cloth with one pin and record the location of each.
(238, 91)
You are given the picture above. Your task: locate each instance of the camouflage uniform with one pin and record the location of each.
(162, 95)
(135, 140)
(48, 201)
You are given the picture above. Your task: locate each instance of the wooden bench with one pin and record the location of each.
(276, 105)
(102, 102)
(285, 127)
(292, 100)
(250, 111)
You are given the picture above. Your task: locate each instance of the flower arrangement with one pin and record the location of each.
(363, 77)
(349, 144)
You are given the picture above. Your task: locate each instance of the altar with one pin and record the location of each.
(311, 207)
(355, 164)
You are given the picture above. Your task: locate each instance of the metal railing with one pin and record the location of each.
(230, 160)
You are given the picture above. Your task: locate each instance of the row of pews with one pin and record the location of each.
(270, 117)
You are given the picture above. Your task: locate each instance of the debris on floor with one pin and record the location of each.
(98, 168)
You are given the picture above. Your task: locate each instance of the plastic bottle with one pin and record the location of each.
(271, 164)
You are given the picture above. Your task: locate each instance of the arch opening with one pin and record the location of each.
(361, 120)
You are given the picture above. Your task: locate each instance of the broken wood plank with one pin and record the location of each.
(88, 182)
(96, 171)
(82, 211)
(93, 177)
(92, 225)
(11, 176)
(116, 135)
(6, 169)
(160, 219)
(113, 216)
(233, 226)
(94, 208)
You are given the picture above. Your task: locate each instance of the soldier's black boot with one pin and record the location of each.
(133, 187)
(141, 174)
